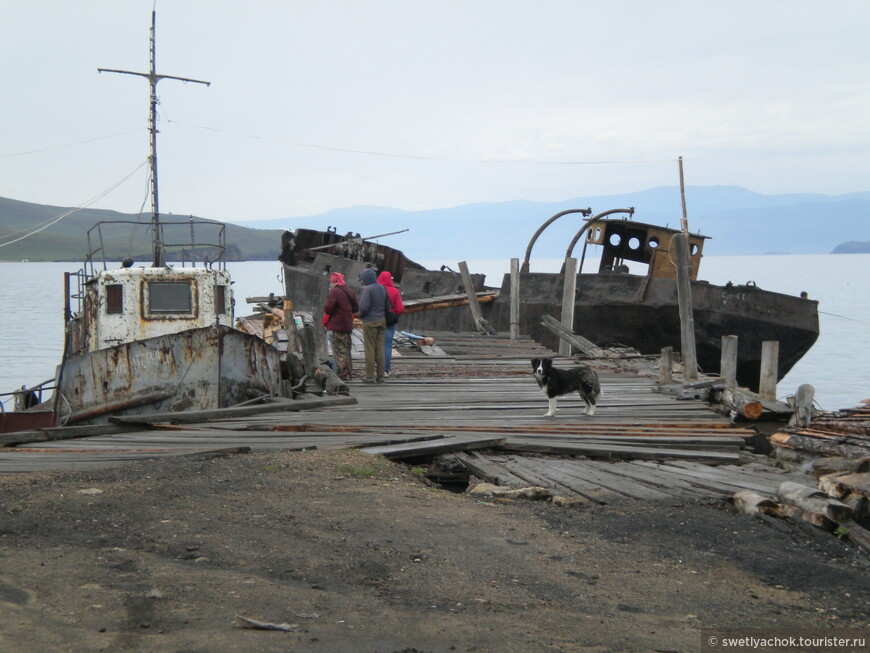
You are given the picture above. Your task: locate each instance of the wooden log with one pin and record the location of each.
(819, 446)
(858, 535)
(587, 347)
(744, 404)
(750, 503)
(803, 406)
(813, 500)
(842, 484)
(817, 519)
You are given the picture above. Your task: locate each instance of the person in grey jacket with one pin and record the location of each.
(372, 312)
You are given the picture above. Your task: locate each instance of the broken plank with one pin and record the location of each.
(226, 413)
(435, 446)
(618, 452)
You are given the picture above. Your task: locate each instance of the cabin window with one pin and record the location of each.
(114, 299)
(220, 299)
(169, 297)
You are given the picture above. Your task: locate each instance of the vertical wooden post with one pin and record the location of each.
(803, 406)
(769, 369)
(666, 366)
(569, 288)
(684, 298)
(515, 299)
(728, 364)
(473, 304)
(290, 326)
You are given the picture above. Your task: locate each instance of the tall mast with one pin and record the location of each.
(153, 78)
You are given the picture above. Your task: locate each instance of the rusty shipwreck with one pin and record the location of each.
(630, 299)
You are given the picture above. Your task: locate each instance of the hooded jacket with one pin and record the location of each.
(386, 280)
(341, 304)
(373, 299)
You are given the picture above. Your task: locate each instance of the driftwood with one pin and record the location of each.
(750, 503)
(813, 500)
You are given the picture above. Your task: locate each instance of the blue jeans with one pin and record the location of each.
(388, 346)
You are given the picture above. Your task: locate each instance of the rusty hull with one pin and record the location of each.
(197, 369)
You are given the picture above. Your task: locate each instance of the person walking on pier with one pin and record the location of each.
(397, 308)
(372, 312)
(341, 304)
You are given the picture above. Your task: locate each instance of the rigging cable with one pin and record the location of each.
(413, 156)
(77, 209)
(60, 147)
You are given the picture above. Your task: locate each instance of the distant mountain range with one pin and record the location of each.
(738, 221)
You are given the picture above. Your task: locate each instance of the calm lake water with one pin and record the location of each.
(838, 366)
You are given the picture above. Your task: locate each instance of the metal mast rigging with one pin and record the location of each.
(153, 78)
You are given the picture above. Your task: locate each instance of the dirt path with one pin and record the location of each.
(357, 554)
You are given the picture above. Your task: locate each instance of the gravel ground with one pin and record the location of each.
(350, 552)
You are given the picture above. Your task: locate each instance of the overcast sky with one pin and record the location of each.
(321, 104)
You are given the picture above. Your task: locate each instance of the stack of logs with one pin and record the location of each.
(836, 448)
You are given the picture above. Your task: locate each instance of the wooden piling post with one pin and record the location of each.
(684, 298)
(728, 364)
(473, 304)
(515, 299)
(803, 406)
(769, 369)
(569, 289)
(666, 366)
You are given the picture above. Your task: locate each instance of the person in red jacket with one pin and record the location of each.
(395, 297)
(341, 304)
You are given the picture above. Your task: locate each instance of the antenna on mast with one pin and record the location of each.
(153, 78)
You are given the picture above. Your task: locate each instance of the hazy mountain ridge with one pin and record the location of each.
(739, 222)
(67, 240)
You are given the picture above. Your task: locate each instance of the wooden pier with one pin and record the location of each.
(472, 406)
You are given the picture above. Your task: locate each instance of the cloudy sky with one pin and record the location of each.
(321, 104)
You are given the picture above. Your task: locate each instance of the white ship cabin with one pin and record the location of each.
(128, 304)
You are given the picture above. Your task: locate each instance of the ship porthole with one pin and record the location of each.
(615, 239)
(634, 242)
(653, 242)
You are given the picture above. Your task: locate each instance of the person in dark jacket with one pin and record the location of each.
(341, 304)
(397, 307)
(372, 312)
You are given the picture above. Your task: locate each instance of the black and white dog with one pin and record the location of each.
(555, 382)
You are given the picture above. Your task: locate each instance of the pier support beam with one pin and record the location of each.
(684, 297)
(728, 364)
(666, 366)
(515, 299)
(569, 290)
(769, 369)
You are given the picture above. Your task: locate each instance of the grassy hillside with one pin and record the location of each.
(67, 239)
